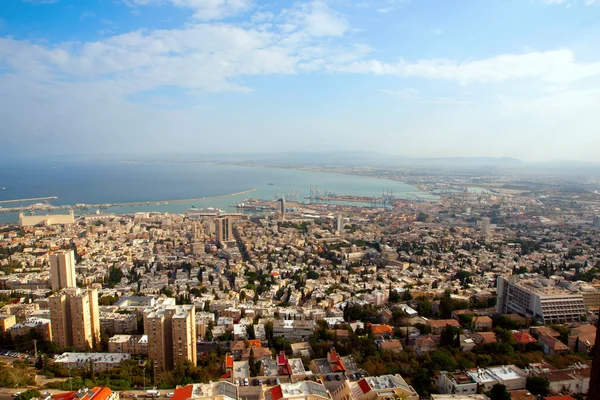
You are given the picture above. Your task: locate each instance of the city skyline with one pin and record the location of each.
(422, 79)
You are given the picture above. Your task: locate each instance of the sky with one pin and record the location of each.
(420, 78)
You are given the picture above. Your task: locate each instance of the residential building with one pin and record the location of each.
(486, 225)
(171, 334)
(40, 325)
(207, 391)
(223, 228)
(97, 393)
(551, 345)
(75, 319)
(523, 337)
(582, 338)
(131, 344)
(540, 298)
(100, 362)
(482, 323)
(437, 326)
(6, 321)
(510, 376)
(117, 323)
(303, 390)
(293, 330)
(456, 383)
(375, 388)
(62, 270)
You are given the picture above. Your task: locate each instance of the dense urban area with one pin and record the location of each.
(491, 292)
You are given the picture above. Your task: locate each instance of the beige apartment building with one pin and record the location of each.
(223, 228)
(75, 318)
(171, 334)
(62, 270)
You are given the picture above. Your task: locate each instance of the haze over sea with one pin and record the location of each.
(111, 182)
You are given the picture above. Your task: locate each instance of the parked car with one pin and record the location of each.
(169, 395)
(337, 378)
(15, 394)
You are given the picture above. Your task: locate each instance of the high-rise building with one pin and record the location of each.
(543, 299)
(223, 228)
(339, 223)
(75, 318)
(171, 334)
(62, 270)
(596, 221)
(485, 226)
(281, 207)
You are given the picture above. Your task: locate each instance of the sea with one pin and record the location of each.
(157, 184)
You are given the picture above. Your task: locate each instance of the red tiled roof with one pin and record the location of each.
(282, 359)
(523, 337)
(99, 393)
(183, 393)
(379, 329)
(65, 396)
(559, 398)
(254, 343)
(276, 393)
(364, 386)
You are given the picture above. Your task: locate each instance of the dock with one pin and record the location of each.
(48, 207)
(27, 200)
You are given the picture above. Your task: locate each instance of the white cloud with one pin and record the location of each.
(317, 19)
(202, 9)
(557, 66)
(436, 31)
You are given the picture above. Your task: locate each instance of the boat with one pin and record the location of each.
(270, 184)
(3, 188)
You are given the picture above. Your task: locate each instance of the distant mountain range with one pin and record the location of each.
(343, 159)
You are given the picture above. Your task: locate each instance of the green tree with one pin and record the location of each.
(538, 386)
(29, 394)
(499, 392)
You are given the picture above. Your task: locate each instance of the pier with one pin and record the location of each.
(26, 200)
(48, 207)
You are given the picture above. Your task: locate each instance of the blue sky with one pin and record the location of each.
(518, 78)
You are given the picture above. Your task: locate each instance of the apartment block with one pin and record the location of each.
(540, 298)
(7, 321)
(171, 332)
(376, 388)
(62, 270)
(456, 383)
(129, 344)
(293, 330)
(100, 362)
(116, 323)
(75, 318)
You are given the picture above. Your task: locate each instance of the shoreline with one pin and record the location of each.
(130, 204)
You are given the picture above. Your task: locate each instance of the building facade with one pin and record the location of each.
(62, 270)
(539, 298)
(75, 318)
(171, 332)
(223, 228)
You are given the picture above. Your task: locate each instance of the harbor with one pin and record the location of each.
(51, 208)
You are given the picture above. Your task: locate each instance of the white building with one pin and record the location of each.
(510, 376)
(456, 383)
(539, 298)
(98, 361)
